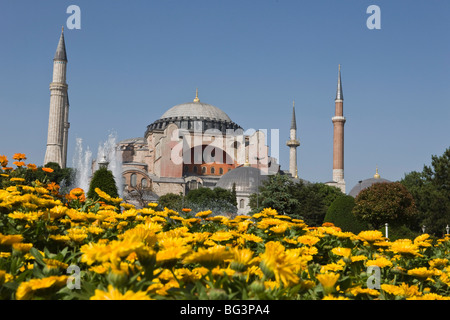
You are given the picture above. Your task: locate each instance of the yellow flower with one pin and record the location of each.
(203, 214)
(114, 294)
(152, 204)
(422, 273)
(308, 240)
(437, 263)
(359, 291)
(380, 262)
(22, 247)
(358, 258)
(281, 228)
(221, 236)
(331, 297)
(404, 247)
(403, 290)
(53, 263)
(333, 267)
(371, 236)
(10, 239)
(343, 252)
(280, 263)
(209, 257)
(27, 290)
(328, 281)
(429, 296)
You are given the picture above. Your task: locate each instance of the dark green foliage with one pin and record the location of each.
(218, 200)
(171, 201)
(104, 180)
(63, 177)
(400, 232)
(431, 191)
(385, 203)
(340, 214)
(307, 201)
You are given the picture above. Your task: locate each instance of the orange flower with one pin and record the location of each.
(32, 166)
(19, 156)
(186, 210)
(53, 187)
(19, 163)
(49, 170)
(77, 194)
(3, 161)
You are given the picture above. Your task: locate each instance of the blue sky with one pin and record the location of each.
(133, 60)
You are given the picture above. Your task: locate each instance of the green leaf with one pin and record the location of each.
(38, 256)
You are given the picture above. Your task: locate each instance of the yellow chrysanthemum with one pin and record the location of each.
(403, 290)
(308, 240)
(381, 262)
(422, 273)
(343, 252)
(28, 289)
(371, 236)
(328, 281)
(114, 294)
(282, 264)
(209, 257)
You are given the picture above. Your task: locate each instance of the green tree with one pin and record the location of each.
(276, 192)
(340, 214)
(307, 201)
(104, 180)
(431, 192)
(218, 200)
(171, 201)
(385, 202)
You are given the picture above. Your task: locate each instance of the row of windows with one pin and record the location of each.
(204, 170)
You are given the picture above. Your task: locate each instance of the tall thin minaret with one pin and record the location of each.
(338, 136)
(58, 124)
(293, 143)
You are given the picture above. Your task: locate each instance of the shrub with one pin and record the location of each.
(104, 180)
(340, 214)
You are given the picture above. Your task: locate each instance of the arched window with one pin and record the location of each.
(220, 170)
(193, 185)
(203, 170)
(133, 180)
(213, 170)
(242, 203)
(144, 183)
(195, 169)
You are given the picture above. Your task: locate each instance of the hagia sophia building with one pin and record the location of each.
(192, 145)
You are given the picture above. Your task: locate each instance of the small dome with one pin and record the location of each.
(246, 178)
(365, 184)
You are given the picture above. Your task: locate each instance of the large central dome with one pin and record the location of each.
(196, 110)
(189, 115)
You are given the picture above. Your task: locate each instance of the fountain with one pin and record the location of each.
(84, 166)
(82, 163)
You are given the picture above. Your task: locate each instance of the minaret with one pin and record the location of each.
(58, 124)
(293, 143)
(338, 136)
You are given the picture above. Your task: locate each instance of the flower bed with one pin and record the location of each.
(55, 246)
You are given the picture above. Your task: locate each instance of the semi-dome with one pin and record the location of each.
(189, 115)
(246, 178)
(366, 183)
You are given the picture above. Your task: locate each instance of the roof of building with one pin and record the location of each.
(247, 179)
(190, 115)
(196, 110)
(366, 183)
